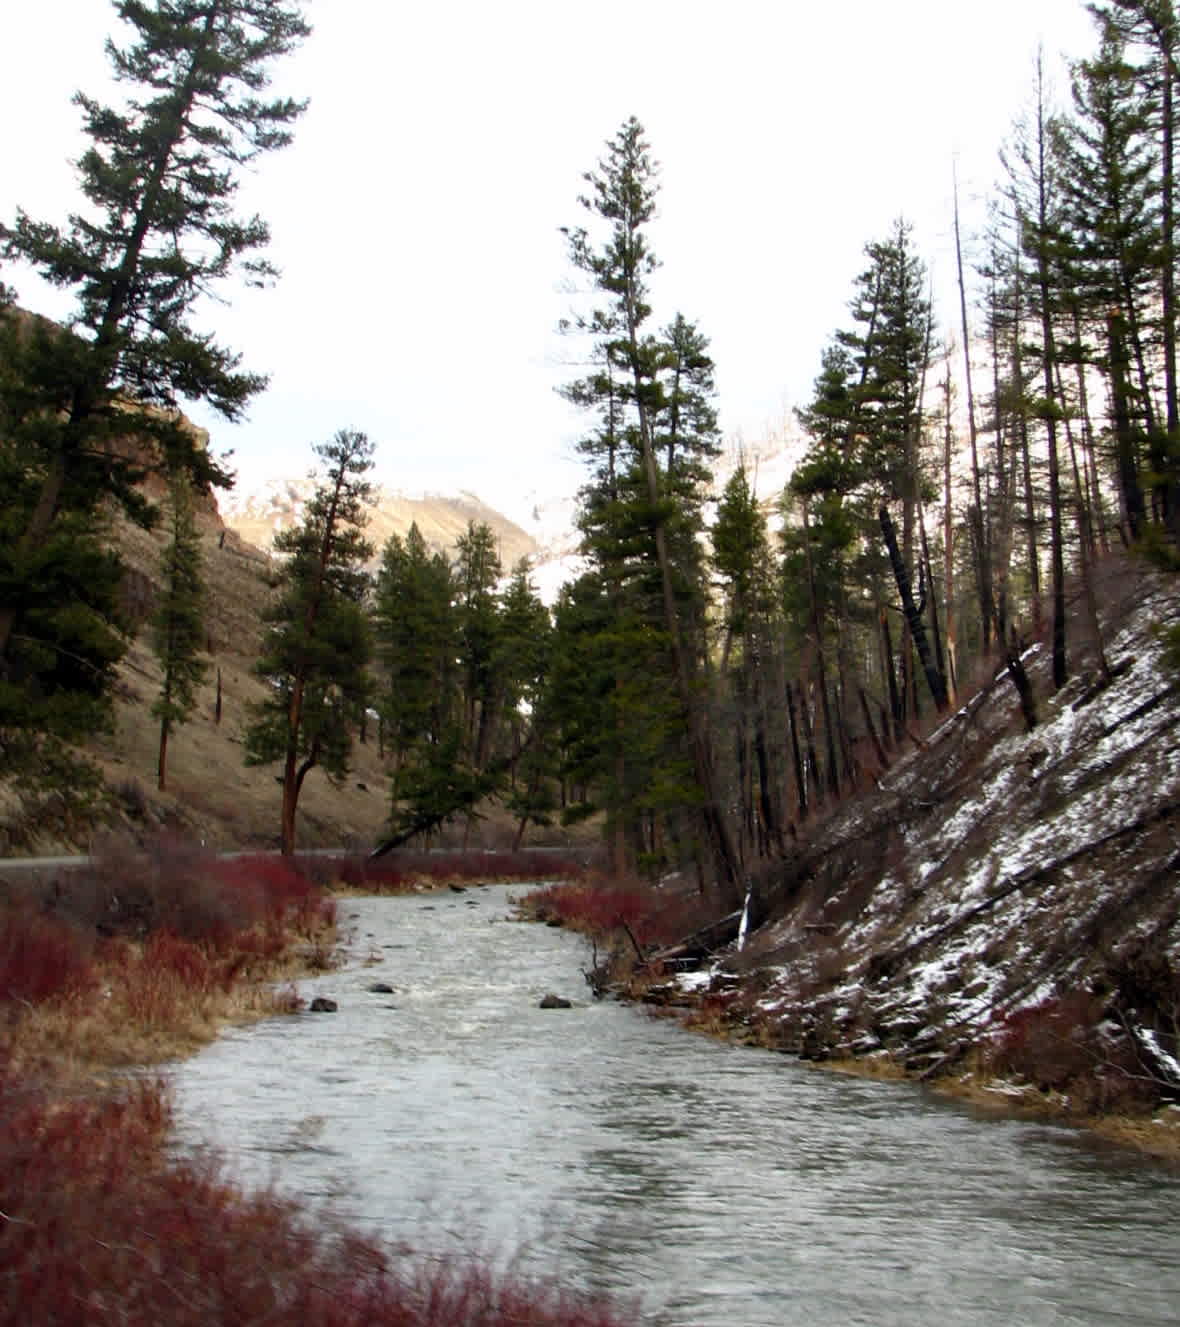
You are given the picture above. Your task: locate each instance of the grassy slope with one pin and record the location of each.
(212, 795)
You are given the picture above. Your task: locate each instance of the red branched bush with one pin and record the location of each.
(268, 888)
(1063, 1045)
(654, 915)
(1051, 1042)
(181, 958)
(41, 957)
(98, 1226)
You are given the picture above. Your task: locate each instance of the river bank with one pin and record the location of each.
(1005, 1072)
(994, 913)
(111, 973)
(716, 1183)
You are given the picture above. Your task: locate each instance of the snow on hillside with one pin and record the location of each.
(994, 870)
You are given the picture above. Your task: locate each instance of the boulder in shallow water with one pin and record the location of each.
(554, 1002)
(381, 988)
(322, 1005)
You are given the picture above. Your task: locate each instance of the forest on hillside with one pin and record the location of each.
(721, 670)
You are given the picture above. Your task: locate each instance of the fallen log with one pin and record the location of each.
(701, 944)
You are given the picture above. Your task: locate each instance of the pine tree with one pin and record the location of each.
(523, 662)
(1112, 251)
(159, 177)
(748, 666)
(1151, 29)
(416, 632)
(866, 421)
(178, 624)
(477, 573)
(316, 652)
(69, 627)
(636, 519)
(1035, 194)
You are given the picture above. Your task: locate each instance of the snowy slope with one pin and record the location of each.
(994, 871)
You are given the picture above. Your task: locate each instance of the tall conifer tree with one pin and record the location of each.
(158, 233)
(316, 652)
(633, 502)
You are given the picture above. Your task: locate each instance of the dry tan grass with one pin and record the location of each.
(883, 1067)
(212, 795)
(1154, 1135)
(145, 1012)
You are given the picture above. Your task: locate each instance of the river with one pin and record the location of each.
(715, 1184)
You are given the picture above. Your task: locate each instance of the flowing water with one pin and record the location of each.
(714, 1184)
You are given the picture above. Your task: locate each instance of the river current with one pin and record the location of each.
(713, 1184)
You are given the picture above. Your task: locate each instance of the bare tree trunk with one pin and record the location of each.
(1028, 704)
(983, 568)
(935, 632)
(817, 636)
(934, 677)
(809, 743)
(890, 670)
(800, 772)
(1088, 553)
(1048, 376)
(948, 546)
(162, 759)
(1126, 461)
(872, 732)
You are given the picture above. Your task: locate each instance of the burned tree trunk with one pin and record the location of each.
(913, 617)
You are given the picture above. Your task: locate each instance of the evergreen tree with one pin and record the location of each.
(523, 662)
(742, 562)
(69, 627)
(522, 649)
(1035, 196)
(416, 631)
(159, 176)
(178, 624)
(866, 424)
(1111, 252)
(1151, 30)
(477, 573)
(638, 525)
(316, 652)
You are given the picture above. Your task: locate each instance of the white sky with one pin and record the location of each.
(416, 216)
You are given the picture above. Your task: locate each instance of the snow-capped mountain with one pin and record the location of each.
(258, 514)
(543, 527)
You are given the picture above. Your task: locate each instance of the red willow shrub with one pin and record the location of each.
(270, 888)
(653, 914)
(98, 1226)
(1063, 1045)
(41, 958)
(172, 884)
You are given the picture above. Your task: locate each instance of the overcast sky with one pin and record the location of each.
(416, 218)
